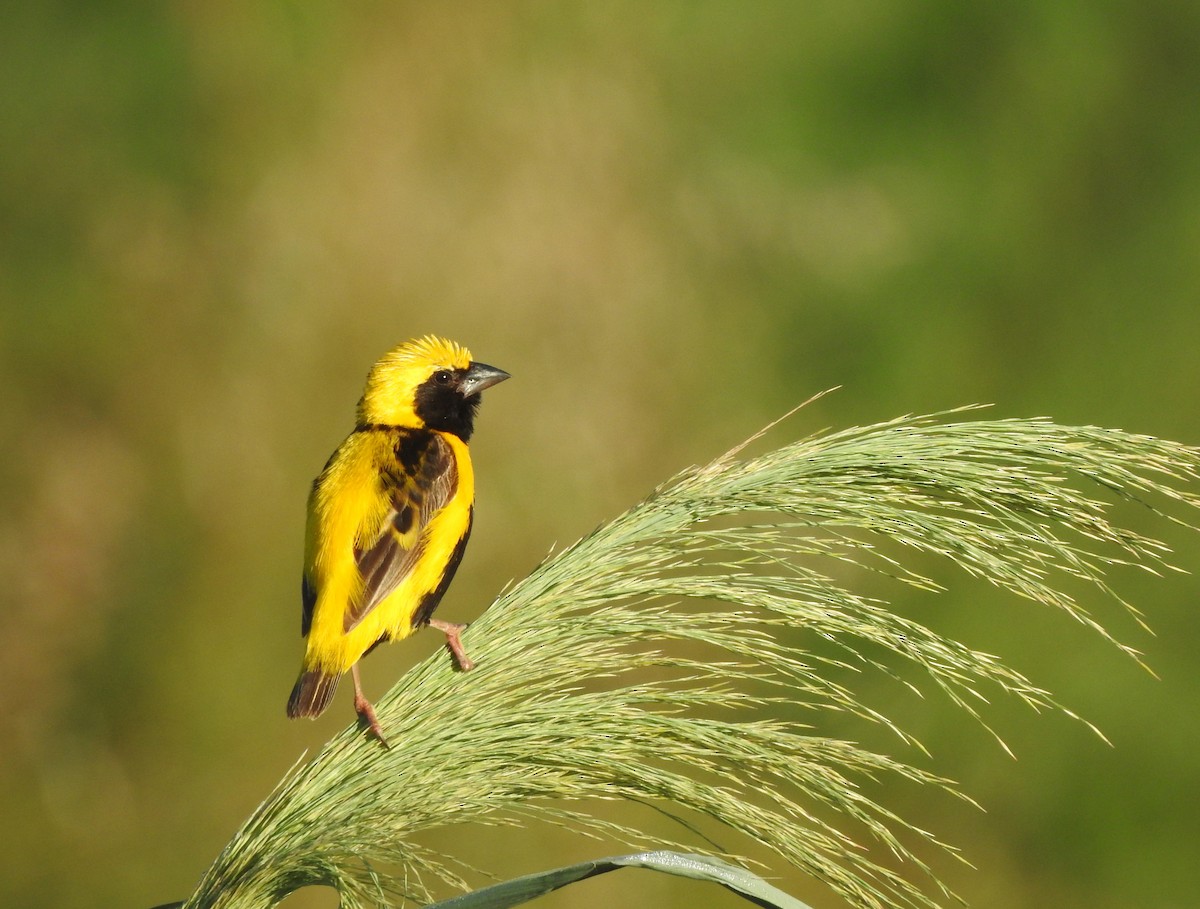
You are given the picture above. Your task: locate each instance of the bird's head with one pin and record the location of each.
(431, 383)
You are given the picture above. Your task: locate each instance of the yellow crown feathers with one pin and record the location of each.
(392, 381)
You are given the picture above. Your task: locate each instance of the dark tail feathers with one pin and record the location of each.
(312, 693)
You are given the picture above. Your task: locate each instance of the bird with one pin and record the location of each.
(389, 517)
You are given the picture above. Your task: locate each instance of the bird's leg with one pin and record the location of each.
(364, 709)
(452, 630)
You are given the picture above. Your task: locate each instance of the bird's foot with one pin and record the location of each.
(366, 713)
(452, 630)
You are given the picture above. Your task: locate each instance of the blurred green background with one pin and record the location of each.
(670, 222)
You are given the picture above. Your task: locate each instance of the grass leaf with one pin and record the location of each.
(697, 867)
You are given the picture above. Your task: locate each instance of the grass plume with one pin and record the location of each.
(652, 660)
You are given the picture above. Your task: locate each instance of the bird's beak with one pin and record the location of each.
(478, 377)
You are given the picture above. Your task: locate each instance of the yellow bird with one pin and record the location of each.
(389, 517)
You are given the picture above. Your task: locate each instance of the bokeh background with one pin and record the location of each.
(671, 222)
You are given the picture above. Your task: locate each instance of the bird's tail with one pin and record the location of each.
(312, 693)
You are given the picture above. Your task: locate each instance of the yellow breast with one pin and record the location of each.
(347, 510)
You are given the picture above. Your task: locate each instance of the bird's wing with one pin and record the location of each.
(308, 589)
(308, 601)
(419, 482)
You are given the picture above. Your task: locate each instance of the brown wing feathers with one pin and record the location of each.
(420, 482)
(308, 600)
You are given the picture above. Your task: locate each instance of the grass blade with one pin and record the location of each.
(697, 867)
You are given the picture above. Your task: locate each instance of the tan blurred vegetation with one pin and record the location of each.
(670, 223)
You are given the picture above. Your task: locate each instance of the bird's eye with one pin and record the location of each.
(443, 377)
